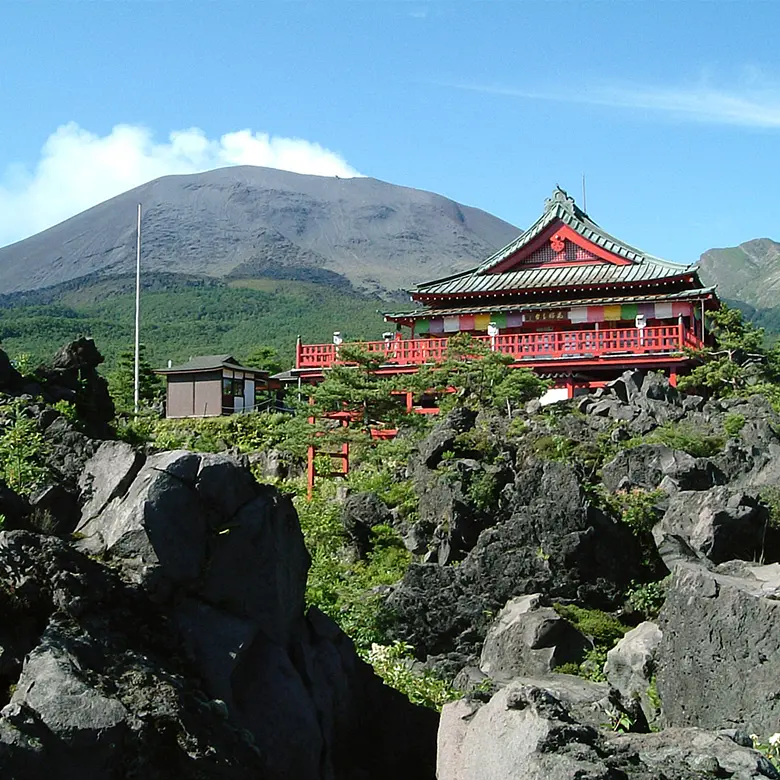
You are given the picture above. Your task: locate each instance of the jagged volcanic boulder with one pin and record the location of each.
(72, 376)
(528, 639)
(540, 730)
(718, 524)
(646, 466)
(631, 666)
(360, 513)
(180, 647)
(718, 660)
(554, 543)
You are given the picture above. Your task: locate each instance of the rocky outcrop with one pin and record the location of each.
(720, 524)
(718, 661)
(180, 647)
(72, 376)
(361, 513)
(541, 731)
(554, 543)
(529, 639)
(631, 666)
(647, 465)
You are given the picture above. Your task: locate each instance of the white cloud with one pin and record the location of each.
(78, 169)
(753, 105)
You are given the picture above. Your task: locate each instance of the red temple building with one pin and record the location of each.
(565, 298)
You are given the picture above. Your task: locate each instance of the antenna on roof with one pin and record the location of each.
(584, 200)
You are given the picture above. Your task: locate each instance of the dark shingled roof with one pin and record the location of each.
(210, 363)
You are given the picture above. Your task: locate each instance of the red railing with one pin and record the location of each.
(569, 344)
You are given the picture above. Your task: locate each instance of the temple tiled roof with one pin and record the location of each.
(560, 208)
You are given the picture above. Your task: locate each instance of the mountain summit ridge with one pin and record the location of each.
(249, 221)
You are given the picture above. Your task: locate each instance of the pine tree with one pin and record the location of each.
(737, 363)
(121, 383)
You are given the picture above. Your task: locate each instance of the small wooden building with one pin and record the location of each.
(213, 385)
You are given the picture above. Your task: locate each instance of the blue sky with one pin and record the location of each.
(671, 109)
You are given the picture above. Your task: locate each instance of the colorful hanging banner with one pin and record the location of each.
(481, 321)
(595, 314)
(626, 312)
(451, 324)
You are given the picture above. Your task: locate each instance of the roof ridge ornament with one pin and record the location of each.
(562, 198)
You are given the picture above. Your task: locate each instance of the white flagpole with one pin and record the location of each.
(136, 376)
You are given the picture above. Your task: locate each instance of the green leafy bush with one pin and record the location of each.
(23, 450)
(635, 507)
(601, 627)
(647, 598)
(553, 447)
(251, 432)
(733, 423)
(395, 665)
(770, 495)
(347, 590)
(685, 437)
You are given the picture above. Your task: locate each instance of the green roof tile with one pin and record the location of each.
(560, 207)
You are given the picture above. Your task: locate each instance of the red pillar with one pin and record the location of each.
(310, 472)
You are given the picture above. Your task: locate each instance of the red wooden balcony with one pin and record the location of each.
(571, 345)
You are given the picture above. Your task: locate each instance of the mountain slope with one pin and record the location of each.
(250, 222)
(748, 273)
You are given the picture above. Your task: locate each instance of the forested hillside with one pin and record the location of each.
(182, 317)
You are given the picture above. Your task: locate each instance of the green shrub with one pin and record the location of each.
(653, 696)
(343, 589)
(553, 447)
(251, 432)
(482, 490)
(601, 627)
(647, 598)
(733, 423)
(636, 508)
(395, 665)
(771, 497)
(23, 451)
(685, 437)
